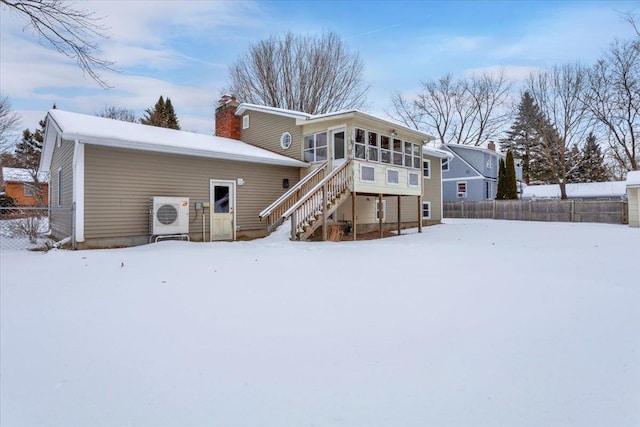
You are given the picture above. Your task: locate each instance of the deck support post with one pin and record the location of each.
(419, 214)
(399, 210)
(380, 214)
(353, 214)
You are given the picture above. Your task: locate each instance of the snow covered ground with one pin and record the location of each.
(471, 323)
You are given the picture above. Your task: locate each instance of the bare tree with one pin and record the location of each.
(68, 30)
(565, 124)
(9, 122)
(304, 73)
(467, 111)
(117, 113)
(613, 98)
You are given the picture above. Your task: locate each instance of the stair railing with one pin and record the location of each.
(273, 213)
(315, 203)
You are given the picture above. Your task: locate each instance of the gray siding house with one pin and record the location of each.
(472, 173)
(129, 183)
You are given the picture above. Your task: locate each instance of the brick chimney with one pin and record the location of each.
(227, 123)
(491, 146)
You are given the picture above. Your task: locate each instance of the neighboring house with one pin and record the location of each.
(21, 186)
(613, 190)
(472, 174)
(633, 194)
(264, 166)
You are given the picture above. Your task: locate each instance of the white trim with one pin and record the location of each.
(59, 188)
(232, 183)
(384, 210)
(417, 174)
(429, 208)
(469, 178)
(245, 121)
(428, 161)
(284, 134)
(445, 162)
(466, 190)
(78, 189)
(386, 176)
(362, 166)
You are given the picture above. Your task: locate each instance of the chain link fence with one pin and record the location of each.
(27, 228)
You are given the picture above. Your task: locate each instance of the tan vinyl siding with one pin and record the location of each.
(120, 182)
(265, 130)
(432, 188)
(634, 206)
(60, 221)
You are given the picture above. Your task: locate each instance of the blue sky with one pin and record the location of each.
(183, 49)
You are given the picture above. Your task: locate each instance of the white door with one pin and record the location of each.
(338, 148)
(222, 210)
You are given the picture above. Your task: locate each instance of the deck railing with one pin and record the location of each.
(318, 201)
(273, 213)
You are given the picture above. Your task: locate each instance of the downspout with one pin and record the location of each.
(78, 191)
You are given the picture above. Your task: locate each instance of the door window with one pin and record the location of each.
(221, 199)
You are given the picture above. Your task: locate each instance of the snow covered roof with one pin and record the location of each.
(633, 179)
(115, 133)
(22, 175)
(472, 147)
(436, 152)
(272, 110)
(577, 191)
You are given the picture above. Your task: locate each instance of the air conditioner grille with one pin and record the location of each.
(167, 214)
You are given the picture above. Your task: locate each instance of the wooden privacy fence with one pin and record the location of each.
(603, 211)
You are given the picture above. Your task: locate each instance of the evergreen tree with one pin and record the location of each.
(510, 185)
(29, 149)
(592, 166)
(502, 172)
(162, 115)
(522, 137)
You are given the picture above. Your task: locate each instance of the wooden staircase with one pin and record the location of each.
(310, 202)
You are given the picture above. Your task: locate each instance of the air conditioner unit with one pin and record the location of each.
(169, 215)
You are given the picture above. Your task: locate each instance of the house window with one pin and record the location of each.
(60, 187)
(489, 190)
(462, 189)
(367, 173)
(315, 147)
(385, 149)
(426, 210)
(285, 140)
(490, 162)
(384, 210)
(393, 176)
(374, 150)
(414, 179)
(360, 144)
(397, 152)
(426, 169)
(445, 164)
(245, 122)
(28, 190)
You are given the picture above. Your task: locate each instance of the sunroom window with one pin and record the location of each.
(360, 144)
(374, 150)
(385, 149)
(315, 147)
(397, 152)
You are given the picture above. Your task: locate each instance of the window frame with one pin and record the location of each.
(362, 166)
(282, 139)
(428, 209)
(417, 174)
(315, 147)
(245, 121)
(461, 194)
(28, 190)
(386, 176)
(445, 164)
(426, 168)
